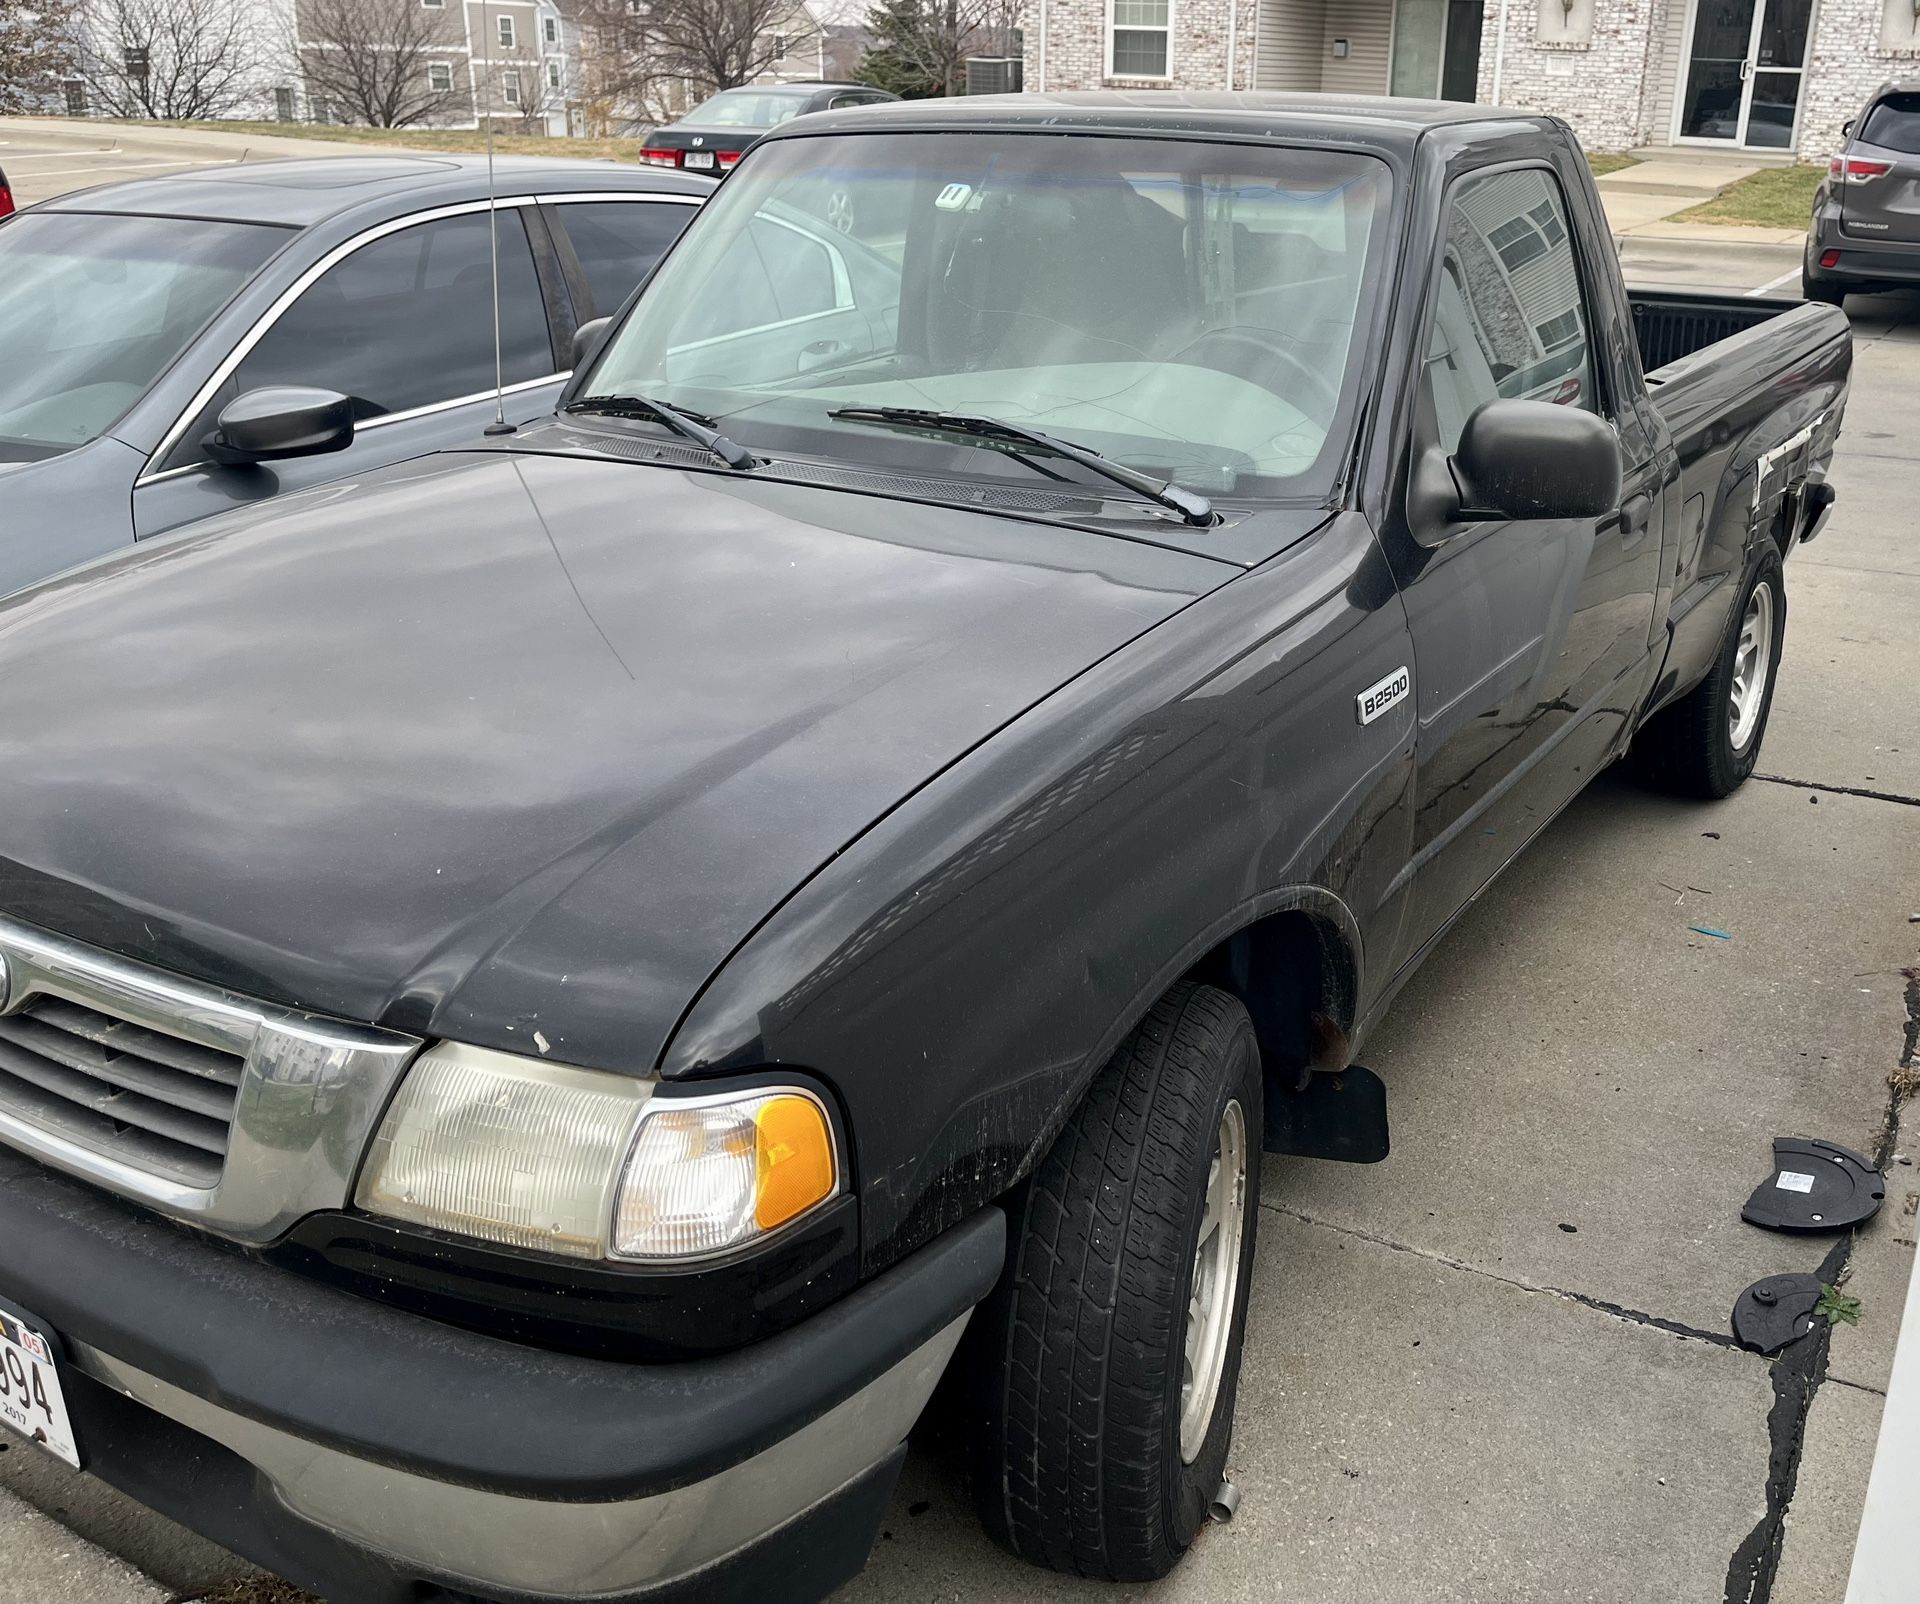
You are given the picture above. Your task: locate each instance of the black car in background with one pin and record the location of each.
(711, 137)
(1865, 232)
(6, 194)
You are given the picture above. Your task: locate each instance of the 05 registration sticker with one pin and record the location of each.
(30, 1399)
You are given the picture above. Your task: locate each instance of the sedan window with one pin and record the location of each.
(617, 243)
(94, 307)
(407, 321)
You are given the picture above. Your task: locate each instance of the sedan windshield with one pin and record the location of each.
(93, 307)
(743, 108)
(1185, 309)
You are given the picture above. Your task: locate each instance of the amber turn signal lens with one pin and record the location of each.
(793, 1159)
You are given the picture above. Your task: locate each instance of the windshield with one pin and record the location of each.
(1185, 309)
(743, 108)
(92, 309)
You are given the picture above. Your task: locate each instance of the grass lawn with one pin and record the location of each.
(1774, 197)
(1602, 165)
(465, 140)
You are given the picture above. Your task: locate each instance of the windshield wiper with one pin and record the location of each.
(688, 425)
(1193, 507)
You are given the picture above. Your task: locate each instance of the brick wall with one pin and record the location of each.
(1076, 46)
(1593, 76)
(1857, 46)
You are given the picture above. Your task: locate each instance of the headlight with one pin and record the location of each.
(590, 1164)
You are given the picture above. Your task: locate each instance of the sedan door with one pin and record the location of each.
(401, 322)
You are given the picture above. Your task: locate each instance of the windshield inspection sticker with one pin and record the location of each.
(1386, 693)
(1793, 1181)
(953, 197)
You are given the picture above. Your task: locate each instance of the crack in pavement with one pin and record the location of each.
(1802, 1367)
(1673, 1328)
(1842, 790)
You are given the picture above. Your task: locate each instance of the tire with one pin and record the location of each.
(1077, 1387)
(1705, 744)
(1822, 289)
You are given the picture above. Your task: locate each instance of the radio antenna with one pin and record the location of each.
(499, 424)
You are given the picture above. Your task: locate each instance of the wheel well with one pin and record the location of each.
(1298, 980)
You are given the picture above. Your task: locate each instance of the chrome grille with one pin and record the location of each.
(159, 1102)
(234, 1115)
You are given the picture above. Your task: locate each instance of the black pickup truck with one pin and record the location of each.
(554, 991)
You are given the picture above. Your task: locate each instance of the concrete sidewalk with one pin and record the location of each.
(1642, 201)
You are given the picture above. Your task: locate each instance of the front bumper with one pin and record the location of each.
(375, 1456)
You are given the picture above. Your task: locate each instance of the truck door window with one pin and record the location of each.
(1508, 319)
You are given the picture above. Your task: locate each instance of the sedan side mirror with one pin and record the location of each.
(1532, 459)
(279, 421)
(586, 340)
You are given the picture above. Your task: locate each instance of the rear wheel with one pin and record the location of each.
(1108, 1360)
(1707, 743)
(1822, 289)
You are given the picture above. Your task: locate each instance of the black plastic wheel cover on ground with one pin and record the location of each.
(1774, 1311)
(1815, 1186)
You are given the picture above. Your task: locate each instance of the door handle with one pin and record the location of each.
(1636, 517)
(1746, 70)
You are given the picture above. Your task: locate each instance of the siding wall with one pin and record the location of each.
(1292, 44)
(1664, 70)
(1367, 26)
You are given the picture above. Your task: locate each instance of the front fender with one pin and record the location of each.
(960, 973)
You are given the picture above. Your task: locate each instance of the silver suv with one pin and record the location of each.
(1865, 232)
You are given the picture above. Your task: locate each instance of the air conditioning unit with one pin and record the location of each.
(995, 75)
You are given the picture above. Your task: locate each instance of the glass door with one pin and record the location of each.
(1744, 72)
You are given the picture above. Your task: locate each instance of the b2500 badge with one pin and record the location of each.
(1383, 694)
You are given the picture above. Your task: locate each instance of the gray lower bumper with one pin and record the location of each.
(558, 1550)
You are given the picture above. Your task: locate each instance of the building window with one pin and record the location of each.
(1519, 241)
(434, 5)
(550, 30)
(1139, 44)
(283, 105)
(553, 75)
(1559, 331)
(779, 47)
(506, 32)
(510, 88)
(439, 77)
(76, 92)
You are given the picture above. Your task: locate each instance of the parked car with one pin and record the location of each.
(722, 128)
(553, 992)
(139, 319)
(1865, 233)
(6, 195)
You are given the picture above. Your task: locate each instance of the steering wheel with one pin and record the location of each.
(1312, 381)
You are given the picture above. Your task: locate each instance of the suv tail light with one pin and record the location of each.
(1853, 170)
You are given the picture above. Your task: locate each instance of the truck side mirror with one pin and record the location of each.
(279, 421)
(586, 340)
(1532, 459)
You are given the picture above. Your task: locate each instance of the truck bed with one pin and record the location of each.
(1670, 325)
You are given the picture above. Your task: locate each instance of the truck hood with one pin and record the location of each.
(516, 748)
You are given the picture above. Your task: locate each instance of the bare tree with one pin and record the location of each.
(36, 52)
(370, 60)
(920, 47)
(168, 59)
(648, 59)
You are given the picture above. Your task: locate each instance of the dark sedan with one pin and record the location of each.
(6, 195)
(172, 347)
(1865, 233)
(714, 135)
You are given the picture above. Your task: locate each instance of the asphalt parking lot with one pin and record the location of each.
(1496, 1367)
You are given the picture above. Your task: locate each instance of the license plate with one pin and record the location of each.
(700, 158)
(30, 1399)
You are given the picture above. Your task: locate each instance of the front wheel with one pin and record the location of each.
(1707, 743)
(1109, 1357)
